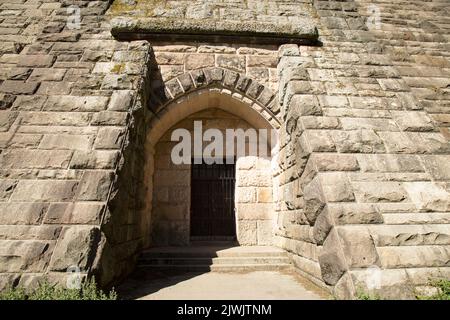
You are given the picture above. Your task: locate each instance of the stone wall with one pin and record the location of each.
(363, 159)
(67, 125)
(362, 181)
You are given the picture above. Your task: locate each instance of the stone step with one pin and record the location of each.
(212, 252)
(218, 268)
(250, 267)
(250, 260)
(217, 259)
(213, 261)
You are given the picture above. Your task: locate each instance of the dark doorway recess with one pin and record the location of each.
(212, 202)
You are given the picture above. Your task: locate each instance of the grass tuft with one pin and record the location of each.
(47, 291)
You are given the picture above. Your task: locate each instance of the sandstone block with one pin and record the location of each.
(321, 75)
(109, 138)
(121, 100)
(6, 101)
(109, 118)
(35, 159)
(354, 213)
(186, 82)
(265, 232)
(169, 58)
(319, 141)
(66, 141)
(94, 186)
(414, 257)
(364, 141)
(18, 87)
(56, 118)
(18, 232)
(231, 62)
(19, 74)
(7, 188)
(29, 103)
(393, 284)
(44, 190)
(71, 103)
(314, 200)
(368, 124)
(410, 235)
(77, 247)
(74, 213)
(36, 61)
(428, 196)
(7, 119)
(116, 82)
(413, 121)
(372, 192)
(265, 195)
(334, 162)
(302, 105)
(247, 232)
(253, 178)
(198, 61)
(437, 166)
(318, 122)
(269, 61)
(45, 74)
(336, 187)
(389, 163)
(358, 247)
(322, 226)
(393, 85)
(94, 160)
(17, 256)
(21, 213)
(255, 211)
(331, 260)
(246, 195)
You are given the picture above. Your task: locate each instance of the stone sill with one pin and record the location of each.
(125, 28)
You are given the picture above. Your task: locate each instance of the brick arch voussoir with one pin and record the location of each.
(239, 85)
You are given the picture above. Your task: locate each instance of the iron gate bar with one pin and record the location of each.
(212, 200)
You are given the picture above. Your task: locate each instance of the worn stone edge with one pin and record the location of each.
(301, 31)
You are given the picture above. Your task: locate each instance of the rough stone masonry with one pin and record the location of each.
(359, 90)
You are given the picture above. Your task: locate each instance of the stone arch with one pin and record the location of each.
(202, 98)
(239, 86)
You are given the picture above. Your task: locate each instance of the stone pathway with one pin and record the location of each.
(258, 285)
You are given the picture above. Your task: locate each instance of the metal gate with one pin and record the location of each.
(212, 202)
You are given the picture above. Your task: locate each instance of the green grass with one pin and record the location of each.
(443, 288)
(367, 296)
(47, 291)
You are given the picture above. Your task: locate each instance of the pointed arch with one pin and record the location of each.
(238, 86)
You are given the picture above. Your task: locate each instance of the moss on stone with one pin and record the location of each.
(118, 68)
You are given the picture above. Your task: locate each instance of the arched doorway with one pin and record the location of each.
(199, 201)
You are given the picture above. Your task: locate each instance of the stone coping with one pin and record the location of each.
(128, 28)
(253, 21)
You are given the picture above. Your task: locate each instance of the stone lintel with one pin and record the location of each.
(210, 30)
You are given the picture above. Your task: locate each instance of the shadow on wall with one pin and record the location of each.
(123, 225)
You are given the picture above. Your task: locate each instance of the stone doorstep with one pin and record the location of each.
(235, 259)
